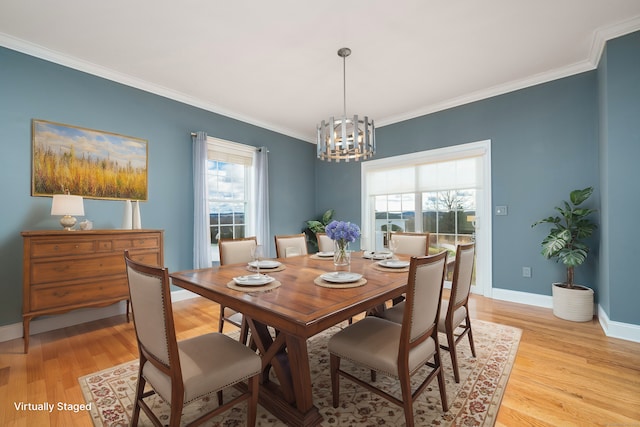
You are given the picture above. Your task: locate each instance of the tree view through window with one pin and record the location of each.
(228, 201)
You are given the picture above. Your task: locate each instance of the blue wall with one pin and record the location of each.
(543, 144)
(546, 140)
(32, 88)
(619, 102)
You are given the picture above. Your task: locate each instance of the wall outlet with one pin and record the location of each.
(526, 271)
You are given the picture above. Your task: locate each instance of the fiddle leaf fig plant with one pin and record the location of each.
(569, 228)
(317, 226)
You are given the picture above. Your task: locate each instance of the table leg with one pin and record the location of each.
(274, 356)
(292, 399)
(299, 357)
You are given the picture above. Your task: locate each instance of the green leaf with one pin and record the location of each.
(315, 226)
(551, 219)
(572, 257)
(327, 216)
(579, 196)
(551, 245)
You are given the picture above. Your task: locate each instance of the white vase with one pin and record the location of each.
(127, 218)
(136, 221)
(573, 304)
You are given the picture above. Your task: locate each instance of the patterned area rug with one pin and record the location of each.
(472, 402)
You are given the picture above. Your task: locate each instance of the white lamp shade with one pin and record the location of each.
(66, 204)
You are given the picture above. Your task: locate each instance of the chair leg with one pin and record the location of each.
(139, 392)
(470, 334)
(176, 413)
(441, 384)
(221, 320)
(451, 347)
(220, 398)
(334, 362)
(374, 376)
(244, 331)
(252, 403)
(407, 399)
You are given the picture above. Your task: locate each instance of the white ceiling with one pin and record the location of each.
(274, 63)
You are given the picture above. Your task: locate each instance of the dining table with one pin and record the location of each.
(286, 312)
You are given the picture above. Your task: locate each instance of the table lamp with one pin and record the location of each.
(67, 205)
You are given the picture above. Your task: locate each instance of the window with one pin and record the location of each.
(444, 192)
(229, 178)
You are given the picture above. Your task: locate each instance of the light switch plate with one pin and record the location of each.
(501, 210)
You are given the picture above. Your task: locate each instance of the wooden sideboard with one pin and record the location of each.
(66, 270)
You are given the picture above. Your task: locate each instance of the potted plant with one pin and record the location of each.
(565, 243)
(317, 226)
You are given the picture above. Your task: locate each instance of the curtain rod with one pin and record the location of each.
(257, 148)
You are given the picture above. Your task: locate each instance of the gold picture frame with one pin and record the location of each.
(86, 162)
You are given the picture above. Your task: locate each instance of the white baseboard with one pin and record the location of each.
(613, 329)
(625, 331)
(536, 300)
(76, 317)
(59, 321)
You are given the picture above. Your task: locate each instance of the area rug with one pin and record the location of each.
(472, 402)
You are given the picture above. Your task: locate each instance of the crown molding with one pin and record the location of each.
(600, 38)
(599, 41)
(41, 52)
(602, 35)
(490, 92)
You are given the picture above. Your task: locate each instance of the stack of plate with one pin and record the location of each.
(341, 277)
(393, 263)
(377, 255)
(253, 280)
(265, 263)
(324, 254)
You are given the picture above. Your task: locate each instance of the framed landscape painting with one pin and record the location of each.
(88, 163)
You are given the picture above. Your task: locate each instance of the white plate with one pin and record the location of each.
(377, 255)
(393, 263)
(253, 280)
(324, 254)
(265, 263)
(341, 277)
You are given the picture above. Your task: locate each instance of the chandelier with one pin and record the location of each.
(346, 138)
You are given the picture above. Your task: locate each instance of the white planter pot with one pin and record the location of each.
(573, 304)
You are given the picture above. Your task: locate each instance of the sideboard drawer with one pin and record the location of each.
(43, 298)
(62, 248)
(137, 243)
(150, 258)
(60, 270)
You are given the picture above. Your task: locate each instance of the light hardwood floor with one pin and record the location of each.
(565, 374)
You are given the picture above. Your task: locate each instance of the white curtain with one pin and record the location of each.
(263, 234)
(201, 232)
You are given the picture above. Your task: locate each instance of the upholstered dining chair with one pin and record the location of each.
(412, 244)
(398, 350)
(291, 245)
(235, 251)
(325, 244)
(454, 314)
(183, 371)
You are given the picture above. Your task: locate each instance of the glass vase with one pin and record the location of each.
(341, 254)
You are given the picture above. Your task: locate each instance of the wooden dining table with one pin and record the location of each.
(297, 310)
